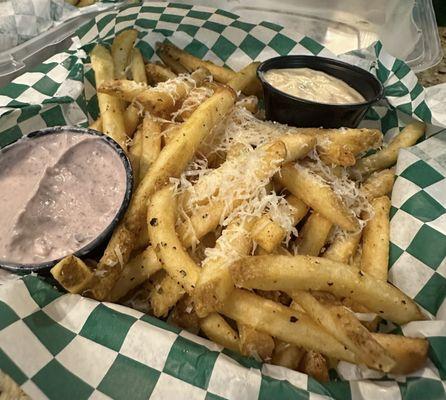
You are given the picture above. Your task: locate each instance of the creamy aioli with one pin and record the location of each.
(58, 192)
(309, 84)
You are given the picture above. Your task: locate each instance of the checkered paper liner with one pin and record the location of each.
(63, 346)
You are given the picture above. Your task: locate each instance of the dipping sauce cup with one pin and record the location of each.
(287, 109)
(64, 189)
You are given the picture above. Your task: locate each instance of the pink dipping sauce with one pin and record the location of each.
(58, 192)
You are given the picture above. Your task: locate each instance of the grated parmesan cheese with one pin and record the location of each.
(348, 190)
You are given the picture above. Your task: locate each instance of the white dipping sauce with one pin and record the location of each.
(58, 192)
(312, 85)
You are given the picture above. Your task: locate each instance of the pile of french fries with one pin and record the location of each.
(269, 240)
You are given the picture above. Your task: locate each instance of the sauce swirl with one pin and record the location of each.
(58, 192)
(313, 85)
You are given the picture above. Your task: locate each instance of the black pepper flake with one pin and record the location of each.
(403, 301)
(183, 273)
(381, 312)
(293, 319)
(330, 283)
(360, 273)
(153, 222)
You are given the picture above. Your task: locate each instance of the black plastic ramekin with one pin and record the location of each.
(287, 109)
(106, 233)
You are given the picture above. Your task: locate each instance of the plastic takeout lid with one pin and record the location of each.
(21, 58)
(407, 28)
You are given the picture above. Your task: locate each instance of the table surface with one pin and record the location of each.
(436, 75)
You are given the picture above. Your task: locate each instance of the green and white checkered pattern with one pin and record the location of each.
(62, 346)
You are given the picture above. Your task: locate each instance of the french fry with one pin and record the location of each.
(268, 234)
(136, 271)
(342, 146)
(157, 73)
(247, 77)
(356, 260)
(73, 274)
(343, 247)
(175, 260)
(215, 282)
(121, 50)
(215, 327)
(123, 88)
(170, 163)
(287, 355)
(289, 274)
(283, 323)
(172, 63)
(162, 99)
(410, 354)
(85, 3)
(184, 316)
(137, 66)
(386, 157)
(165, 294)
(254, 343)
(251, 103)
(109, 106)
(317, 195)
(344, 326)
(135, 152)
(376, 240)
(192, 101)
(315, 365)
(191, 63)
(314, 234)
(97, 125)
(151, 144)
(131, 118)
(203, 221)
(379, 183)
(139, 298)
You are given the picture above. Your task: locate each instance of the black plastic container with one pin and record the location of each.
(287, 109)
(103, 237)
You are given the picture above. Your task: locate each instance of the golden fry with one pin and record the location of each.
(314, 234)
(344, 326)
(73, 274)
(121, 50)
(174, 258)
(254, 343)
(376, 240)
(136, 271)
(379, 183)
(215, 327)
(279, 321)
(317, 195)
(165, 294)
(343, 247)
(157, 73)
(151, 144)
(288, 274)
(109, 106)
(386, 157)
(137, 66)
